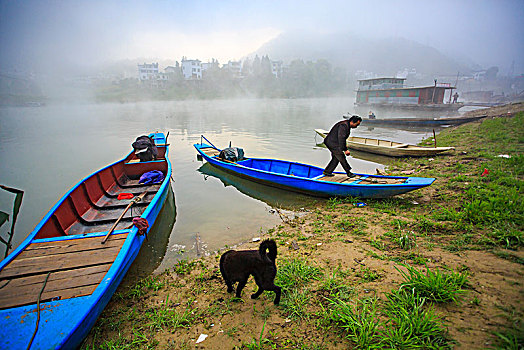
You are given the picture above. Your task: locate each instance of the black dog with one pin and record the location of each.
(236, 266)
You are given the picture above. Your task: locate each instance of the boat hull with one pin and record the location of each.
(421, 121)
(65, 322)
(437, 107)
(309, 179)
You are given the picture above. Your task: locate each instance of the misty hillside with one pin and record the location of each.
(383, 56)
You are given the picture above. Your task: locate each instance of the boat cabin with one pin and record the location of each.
(391, 91)
(381, 83)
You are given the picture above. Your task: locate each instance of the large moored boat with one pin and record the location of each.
(390, 93)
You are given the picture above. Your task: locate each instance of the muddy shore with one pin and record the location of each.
(361, 255)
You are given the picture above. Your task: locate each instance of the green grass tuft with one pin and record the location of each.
(359, 320)
(434, 285)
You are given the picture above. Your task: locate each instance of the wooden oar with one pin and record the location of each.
(133, 201)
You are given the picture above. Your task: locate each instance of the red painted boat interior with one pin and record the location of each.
(93, 205)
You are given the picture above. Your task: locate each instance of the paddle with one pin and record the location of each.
(133, 201)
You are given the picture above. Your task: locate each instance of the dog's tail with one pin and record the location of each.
(271, 248)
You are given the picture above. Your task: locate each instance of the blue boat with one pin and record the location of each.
(309, 179)
(56, 283)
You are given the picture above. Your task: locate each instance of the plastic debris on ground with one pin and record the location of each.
(201, 338)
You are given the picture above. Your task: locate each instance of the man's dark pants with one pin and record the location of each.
(337, 157)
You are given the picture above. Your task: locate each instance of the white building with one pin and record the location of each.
(276, 68)
(148, 71)
(191, 69)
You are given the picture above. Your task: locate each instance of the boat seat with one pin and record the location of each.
(402, 145)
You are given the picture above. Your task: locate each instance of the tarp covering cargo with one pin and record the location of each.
(233, 154)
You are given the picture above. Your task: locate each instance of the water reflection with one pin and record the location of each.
(274, 197)
(155, 246)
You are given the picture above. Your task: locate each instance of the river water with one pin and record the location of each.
(46, 150)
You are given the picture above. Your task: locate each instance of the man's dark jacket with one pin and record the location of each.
(337, 136)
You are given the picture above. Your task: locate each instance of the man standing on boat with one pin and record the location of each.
(335, 141)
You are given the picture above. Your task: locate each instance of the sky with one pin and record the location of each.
(86, 32)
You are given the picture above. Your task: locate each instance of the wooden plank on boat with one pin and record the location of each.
(48, 296)
(382, 181)
(210, 151)
(59, 262)
(69, 258)
(69, 246)
(28, 281)
(338, 178)
(60, 285)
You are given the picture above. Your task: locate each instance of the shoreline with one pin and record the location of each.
(360, 255)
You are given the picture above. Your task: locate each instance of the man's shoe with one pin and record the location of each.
(351, 175)
(327, 174)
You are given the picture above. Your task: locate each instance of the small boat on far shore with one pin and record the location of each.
(388, 148)
(56, 283)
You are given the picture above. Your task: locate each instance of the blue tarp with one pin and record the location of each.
(151, 177)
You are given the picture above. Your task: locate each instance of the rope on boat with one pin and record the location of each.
(133, 201)
(38, 311)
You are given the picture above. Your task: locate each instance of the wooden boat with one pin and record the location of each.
(388, 148)
(57, 282)
(309, 179)
(422, 121)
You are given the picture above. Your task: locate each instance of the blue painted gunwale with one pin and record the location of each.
(65, 323)
(310, 184)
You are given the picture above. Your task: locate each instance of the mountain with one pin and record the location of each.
(382, 56)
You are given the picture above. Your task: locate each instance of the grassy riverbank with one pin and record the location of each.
(440, 267)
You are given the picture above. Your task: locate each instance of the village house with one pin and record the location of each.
(191, 69)
(147, 71)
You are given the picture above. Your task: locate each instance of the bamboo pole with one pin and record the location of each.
(133, 201)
